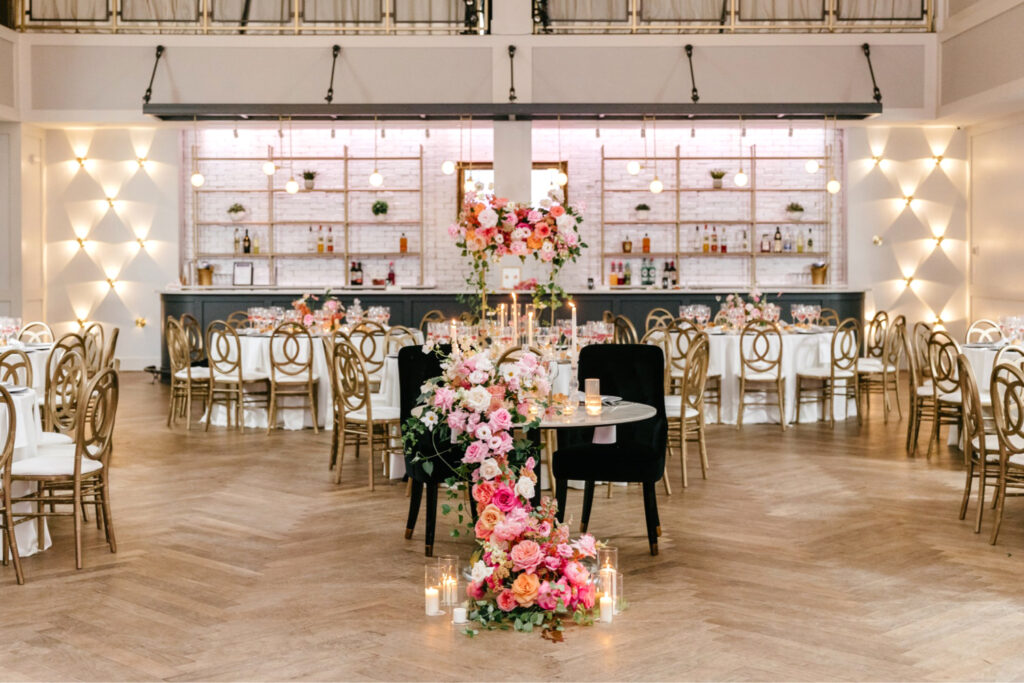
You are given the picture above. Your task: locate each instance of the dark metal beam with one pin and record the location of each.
(613, 111)
(149, 89)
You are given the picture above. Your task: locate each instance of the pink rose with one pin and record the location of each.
(506, 530)
(308, 319)
(507, 601)
(457, 421)
(444, 398)
(453, 230)
(500, 202)
(501, 420)
(576, 573)
(585, 595)
(557, 210)
(526, 556)
(544, 529)
(482, 530)
(504, 497)
(475, 452)
(476, 590)
(564, 549)
(542, 231)
(482, 492)
(545, 598)
(552, 563)
(518, 248)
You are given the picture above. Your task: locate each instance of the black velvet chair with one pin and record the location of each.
(636, 373)
(415, 368)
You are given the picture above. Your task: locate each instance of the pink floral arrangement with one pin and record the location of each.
(739, 311)
(527, 571)
(333, 311)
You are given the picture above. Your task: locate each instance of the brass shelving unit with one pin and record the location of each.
(341, 222)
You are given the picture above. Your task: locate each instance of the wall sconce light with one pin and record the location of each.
(112, 282)
(938, 159)
(81, 242)
(81, 161)
(141, 161)
(82, 322)
(111, 200)
(877, 160)
(938, 239)
(909, 280)
(197, 179)
(142, 242)
(140, 322)
(877, 240)
(909, 199)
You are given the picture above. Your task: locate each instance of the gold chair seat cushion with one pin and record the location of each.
(198, 372)
(247, 376)
(991, 447)
(873, 365)
(380, 414)
(54, 439)
(282, 378)
(53, 461)
(825, 373)
(673, 404)
(762, 376)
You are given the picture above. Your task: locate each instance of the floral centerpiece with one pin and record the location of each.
(329, 314)
(527, 572)
(739, 311)
(491, 227)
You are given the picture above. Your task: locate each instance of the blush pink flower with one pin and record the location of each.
(500, 420)
(557, 210)
(476, 452)
(576, 573)
(504, 498)
(544, 529)
(542, 231)
(507, 601)
(526, 556)
(564, 549)
(586, 545)
(482, 492)
(585, 595)
(545, 598)
(444, 398)
(476, 590)
(552, 563)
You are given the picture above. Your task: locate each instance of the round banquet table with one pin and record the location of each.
(27, 432)
(981, 359)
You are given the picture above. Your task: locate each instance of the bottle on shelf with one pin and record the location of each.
(330, 240)
(359, 274)
(674, 277)
(403, 244)
(320, 240)
(238, 243)
(766, 245)
(646, 244)
(695, 247)
(810, 240)
(622, 275)
(706, 241)
(723, 244)
(714, 240)
(627, 245)
(787, 242)
(799, 242)
(391, 273)
(613, 277)
(246, 243)
(777, 242)
(743, 240)
(628, 275)
(352, 274)
(311, 240)
(256, 244)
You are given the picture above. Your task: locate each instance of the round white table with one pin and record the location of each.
(27, 433)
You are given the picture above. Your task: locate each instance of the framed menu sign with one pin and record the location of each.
(242, 274)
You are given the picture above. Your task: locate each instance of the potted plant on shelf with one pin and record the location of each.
(716, 178)
(379, 209)
(642, 210)
(237, 212)
(309, 177)
(795, 211)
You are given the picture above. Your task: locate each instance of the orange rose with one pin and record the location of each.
(534, 243)
(478, 207)
(557, 210)
(525, 588)
(491, 516)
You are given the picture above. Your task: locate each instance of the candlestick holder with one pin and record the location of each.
(449, 576)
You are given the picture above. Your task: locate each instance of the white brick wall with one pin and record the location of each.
(579, 146)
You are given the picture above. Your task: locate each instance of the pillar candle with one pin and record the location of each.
(515, 318)
(607, 609)
(529, 329)
(454, 331)
(433, 602)
(573, 349)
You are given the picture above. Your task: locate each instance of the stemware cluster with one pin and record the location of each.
(696, 313)
(805, 314)
(9, 328)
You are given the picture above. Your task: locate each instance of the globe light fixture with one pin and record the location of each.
(657, 186)
(561, 179)
(812, 166)
(740, 179)
(448, 167)
(269, 168)
(833, 186)
(376, 179)
(633, 167)
(292, 186)
(197, 179)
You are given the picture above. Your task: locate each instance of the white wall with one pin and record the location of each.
(10, 219)
(876, 207)
(997, 216)
(33, 227)
(146, 206)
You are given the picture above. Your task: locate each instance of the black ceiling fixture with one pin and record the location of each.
(335, 51)
(874, 84)
(149, 89)
(513, 111)
(512, 73)
(693, 82)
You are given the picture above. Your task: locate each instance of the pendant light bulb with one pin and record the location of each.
(561, 179)
(291, 187)
(633, 168)
(469, 185)
(740, 179)
(269, 168)
(656, 186)
(833, 186)
(197, 179)
(812, 166)
(376, 179)
(448, 167)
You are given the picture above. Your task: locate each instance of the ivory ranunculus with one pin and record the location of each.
(525, 488)
(480, 571)
(488, 218)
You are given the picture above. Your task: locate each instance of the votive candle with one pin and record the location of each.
(459, 615)
(607, 609)
(592, 400)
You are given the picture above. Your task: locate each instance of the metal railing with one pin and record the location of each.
(738, 16)
(265, 17)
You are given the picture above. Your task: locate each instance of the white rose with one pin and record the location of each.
(478, 398)
(484, 363)
(525, 487)
(545, 203)
(477, 377)
(488, 218)
(480, 571)
(565, 221)
(489, 469)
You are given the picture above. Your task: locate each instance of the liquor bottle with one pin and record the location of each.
(799, 242)
(743, 241)
(613, 277)
(627, 245)
(256, 244)
(674, 280)
(320, 240)
(810, 240)
(723, 245)
(766, 246)
(645, 274)
(777, 243)
(391, 273)
(403, 244)
(246, 243)
(646, 244)
(714, 239)
(311, 240)
(706, 242)
(359, 273)
(629, 274)
(330, 240)
(352, 274)
(238, 243)
(695, 247)
(787, 242)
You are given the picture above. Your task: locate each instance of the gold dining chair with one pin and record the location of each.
(683, 332)
(692, 423)
(658, 317)
(92, 340)
(230, 384)
(921, 394)
(188, 382)
(947, 408)
(838, 379)
(981, 449)
(1007, 391)
(398, 337)
(828, 317)
(371, 339)
(66, 378)
(69, 343)
(880, 374)
(238, 320)
(434, 316)
(919, 345)
(661, 337)
(984, 331)
(73, 474)
(194, 336)
(623, 331)
(15, 368)
(356, 417)
(36, 333)
(761, 364)
(291, 371)
(875, 335)
(109, 361)
(8, 539)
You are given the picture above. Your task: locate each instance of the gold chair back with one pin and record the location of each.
(942, 353)
(434, 316)
(1008, 409)
(623, 331)
(1011, 353)
(658, 317)
(7, 446)
(194, 335)
(96, 426)
(919, 346)
(875, 335)
(760, 349)
(92, 339)
(371, 339)
(69, 343)
(16, 368)
(660, 337)
(984, 331)
(64, 383)
(398, 337)
(894, 343)
(348, 374)
(177, 346)
(720, 318)
(223, 351)
(36, 333)
(514, 353)
(973, 415)
(682, 333)
(828, 317)
(845, 346)
(695, 376)
(291, 352)
(238, 319)
(111, 348)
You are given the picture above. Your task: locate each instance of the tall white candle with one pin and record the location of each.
(433, 602)
(607, 609)
(515, 318)
(573, 348)
(453, 330)
(529, 328)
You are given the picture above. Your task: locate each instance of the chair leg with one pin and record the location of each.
(799, 404)
(561, 495)
(1000, 500)
(739, 415)
(341, 452)
(609, 485)
(334, 441)
(76, 505)
(431, 519)
(682, 451)
(703, 444)
(315, 410)
(12, 543)
(588, 503)
(981, 497)
(780, 389)
(967, 489)
(664, 480)
(651, 514)
(415, 497)
(369, 444)
(272, 411)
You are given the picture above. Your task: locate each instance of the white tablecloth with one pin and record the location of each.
(982, 360)
(27, 432)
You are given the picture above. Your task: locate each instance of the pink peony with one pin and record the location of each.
(544, 529)
(476, 452)
(576, 573)
(545, 598)
(507, 601)
(518, 248)
(564, 549)
(457, 421)
(552, 563)
(453, 230)
(585, 596)
(526, 556)
(557, 210)
(501, 420)
(476, 590)
(308, 319)
(444, 398)
(504, 498)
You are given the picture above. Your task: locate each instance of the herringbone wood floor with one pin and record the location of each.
(807, 555)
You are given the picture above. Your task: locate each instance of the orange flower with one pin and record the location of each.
(533, 242)
(490, 516)
(478, 207)
(525, 588)
(557, 210)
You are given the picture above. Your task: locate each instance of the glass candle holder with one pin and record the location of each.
(449, 586)
(608, 557)
(592, 400)
(432, 588)
(620, 594)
